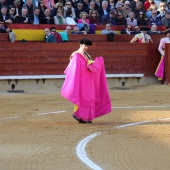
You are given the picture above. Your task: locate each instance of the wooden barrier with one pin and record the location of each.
(4, 37)
(51, 59)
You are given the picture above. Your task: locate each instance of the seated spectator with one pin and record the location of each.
(49, 4)
(77, 31)
(69, 19)
(12, 15)
(57, 6)
(142, 37)
(111, 4)
(4, 15)
(119, 6)
(127, 30)
(78, 10)
(94, 17)
(68, 7)
(42, 8)
(49, 37)
(136, 29)
(47, 19)
(139, 8)
(91, 6)
(83, 22)
(161, 10)
(59, 18)
(155, 19)
(166, 20)
(30, 7)
(18, 6)
(154, 30)
(23, 18)
(126, 9)
(103, 9)
(131, 20)
(68, 30)
(168, 6)
(35, 19)
(120, 20)
(149, 5)
(5, 29)
(109, 18)
(56, 34)
(108, 30)
(142, 20)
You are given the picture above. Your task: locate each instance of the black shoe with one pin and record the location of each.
(76, 118)
(81, 121)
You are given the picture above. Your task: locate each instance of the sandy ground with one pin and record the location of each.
(39, 133)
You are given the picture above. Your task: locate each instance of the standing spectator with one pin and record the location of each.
(4, 15)
(142, 37)
(42, 8)
(78, 10)
(126, 9)
(108, 30)
(47, 19)
(161, 10)
(131, 20)
(103, 9)
(110, 18)
(35, 19)
(23, 17)
(94, 17)
(120, 20)
(155, 19)
(68, 7)
(166, 20)
(161, 48)
(56, 34)
(49, 38)
(142, 20)
(59, 18)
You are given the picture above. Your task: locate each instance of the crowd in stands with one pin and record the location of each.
(86, 14)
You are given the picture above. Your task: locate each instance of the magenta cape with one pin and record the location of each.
(160, 69)
(86, 87)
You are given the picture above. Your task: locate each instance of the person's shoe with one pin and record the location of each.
(76, 118)
(81, 121)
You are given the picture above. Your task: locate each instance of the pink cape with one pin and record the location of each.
(86, 87)
(160, 69)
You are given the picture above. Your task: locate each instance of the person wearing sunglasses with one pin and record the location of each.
(161, 10)
(78, 10)
(155, 19)
(68, 7)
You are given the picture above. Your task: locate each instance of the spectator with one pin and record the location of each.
(77, 31)
(161, 10)
(120, 20)
(111, 5)
(103, 9)
(49, 4)
(139, 8)
(12, 13)
(5, 29)
(69, 19)
(142, 37)
(94, 17)
(23, 17)
(166, 20)
(91, 6)
(133, 4)
(127, 30)
(86, 5)
(149, 5)
(57, 6)
(131, 20)
(18, 7)
(168, 6)
(4, 3)
(108, 30)
(4, 15)
(142, 20)
(42, 8)
(68, 30)
(78, 10)
(109, 18)
(35, 19)
(68, 7)
(59, 18)
(119, 6)
(49, 37)
(136, 29)
(98, 4)
(126, 9)
(30, 7)
(154, 30)
(155, 19)
(47, 19)
(56, 34)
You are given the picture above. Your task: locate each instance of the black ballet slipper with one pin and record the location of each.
(76, 118)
